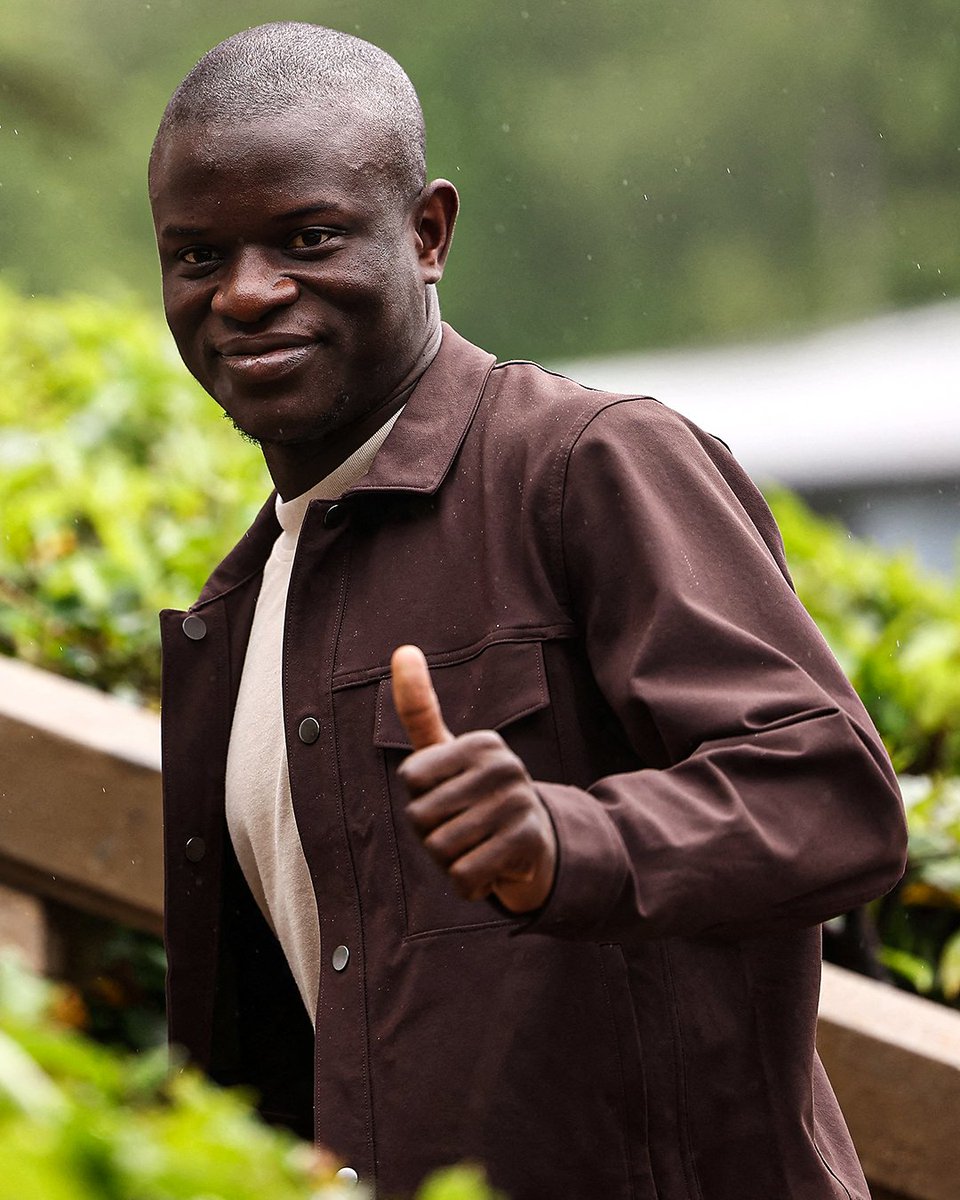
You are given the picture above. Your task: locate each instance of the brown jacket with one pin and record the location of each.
(597, 579)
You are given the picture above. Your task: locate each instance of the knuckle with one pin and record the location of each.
(481, 741)
(417, 816)
(436, 846)
(502, 770)
(462, 878)
(409, 776)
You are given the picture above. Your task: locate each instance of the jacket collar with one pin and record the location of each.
(248, 556)
(415, 458)
(423, 443)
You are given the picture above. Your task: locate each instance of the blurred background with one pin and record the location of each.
(634, 176)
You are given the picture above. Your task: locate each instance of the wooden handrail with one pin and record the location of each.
(79, 797)
(894, 1062)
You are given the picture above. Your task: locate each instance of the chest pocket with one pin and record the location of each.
(503, 687)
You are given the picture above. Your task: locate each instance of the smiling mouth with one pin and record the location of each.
(268, 363)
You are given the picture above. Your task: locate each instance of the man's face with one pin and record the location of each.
(292, 279)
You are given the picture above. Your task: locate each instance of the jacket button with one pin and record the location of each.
(195, 849)
(309, 730)
(194, 627)
(335, 515)
(348, 1176)
(340, 958)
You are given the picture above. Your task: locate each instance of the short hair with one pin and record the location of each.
(286, 65)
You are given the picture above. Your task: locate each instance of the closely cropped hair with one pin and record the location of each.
(286, 65)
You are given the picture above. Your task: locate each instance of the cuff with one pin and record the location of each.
(592, 866)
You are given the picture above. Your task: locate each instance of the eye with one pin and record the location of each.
(307, 239)
(198, 256)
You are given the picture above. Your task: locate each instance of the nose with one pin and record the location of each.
(252, 287)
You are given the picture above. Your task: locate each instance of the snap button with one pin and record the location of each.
(335, 515)
(309, 730)
(348, 1176)
(194, 627)
(340, 958)
(195, 849)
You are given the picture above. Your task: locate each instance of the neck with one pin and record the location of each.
(296, 469)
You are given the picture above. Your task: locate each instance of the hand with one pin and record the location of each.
(473, 804)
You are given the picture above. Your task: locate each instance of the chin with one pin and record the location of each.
(287, 419)
(291, 428)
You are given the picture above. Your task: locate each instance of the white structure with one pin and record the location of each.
(862, 420)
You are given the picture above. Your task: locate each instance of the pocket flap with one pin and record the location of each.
(492, 688)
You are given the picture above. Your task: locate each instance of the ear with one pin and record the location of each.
(434, 219)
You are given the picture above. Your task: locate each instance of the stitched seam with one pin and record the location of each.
(628, 1165)
(365, 1022)
(558, 740)
(447, 930)
(198, 603)
(432, 485)
(397, 865)
(686, 1158)
(460, 654)
(534, 706)
(830, 1170)
(563, 592)
(769, 1086)
(529, 362)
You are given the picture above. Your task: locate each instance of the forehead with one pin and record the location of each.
(328, 146)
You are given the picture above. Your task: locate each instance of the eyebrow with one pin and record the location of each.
(328, 208)
(177, 231)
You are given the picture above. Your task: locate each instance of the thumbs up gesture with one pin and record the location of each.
(472, 801)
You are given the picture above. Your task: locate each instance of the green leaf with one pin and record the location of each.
(465, 1182)
(919, 974)
(949, 968)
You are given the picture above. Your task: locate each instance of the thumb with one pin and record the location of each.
(415, 700)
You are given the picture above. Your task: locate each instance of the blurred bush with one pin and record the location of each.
(896, 633)
(119, 487)
(81, 1122)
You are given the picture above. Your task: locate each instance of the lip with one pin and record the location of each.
(265, 356)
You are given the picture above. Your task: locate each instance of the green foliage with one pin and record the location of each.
(119, 487)
(920, 922)
(694, 171)
(895, 631)
(81, 1122)
(897, 635)
(117, 983)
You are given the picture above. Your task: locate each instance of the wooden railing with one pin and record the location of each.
(79, 797)
(80, 825)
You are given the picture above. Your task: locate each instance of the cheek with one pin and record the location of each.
(184, 316)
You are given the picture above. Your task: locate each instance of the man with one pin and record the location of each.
(573, 935)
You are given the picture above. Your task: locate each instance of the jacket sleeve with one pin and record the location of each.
(766, 799)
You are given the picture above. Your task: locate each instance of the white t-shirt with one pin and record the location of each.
(260, 816)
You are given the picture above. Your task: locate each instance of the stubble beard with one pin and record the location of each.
(325, 423)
